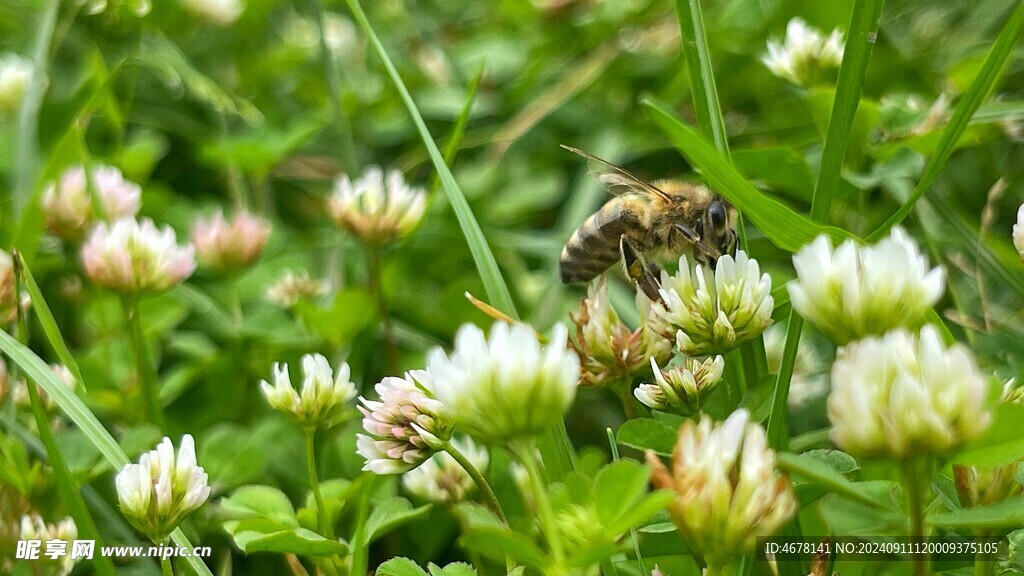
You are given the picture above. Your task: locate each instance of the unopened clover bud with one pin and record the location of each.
(68, 206)
(609, 351)
(134, 257)
(507, 387)
(15, 77)
(375, 208)
(442, 479)
(902, 395)
(806, 57)
(229, 245)
(856, 291)
(324, 397)
(215, 12)
(728, 490)
(159, 492)
(1018, 232)
(982, 486)
(295, 287)
(681, 386)
(405, 427)
(713, 311)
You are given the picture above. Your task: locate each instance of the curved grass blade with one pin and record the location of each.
(783, 226)
(979, 89)
(494, 283)
(36, 369)
(451, 148)
(48, 322)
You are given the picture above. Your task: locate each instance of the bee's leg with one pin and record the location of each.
(644, 277)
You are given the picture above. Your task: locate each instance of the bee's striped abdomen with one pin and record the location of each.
(594, 247)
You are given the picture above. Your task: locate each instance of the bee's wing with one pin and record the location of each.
(618, 180)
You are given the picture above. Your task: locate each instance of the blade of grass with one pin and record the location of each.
(702, 78)
(451, 148)
(494, 283)
(25, 175)
(860, 41)
(48, 322)
(783, 226)
(342, 124)
(36, 369)
(68, 489)
(979, 89)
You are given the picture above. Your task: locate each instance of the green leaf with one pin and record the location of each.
(453, 569)
(640, 512)
(616, 487)
(497, 542)
(353, 311)
(390, 514)
(648, 434)
(258, 501)
(1001, 444)
(232, 455)
(1006, 514)
(494, 283)
(784, 169)
(295, 541)
(785, 228)
(818, 472)
(979, 90)
(400, 567)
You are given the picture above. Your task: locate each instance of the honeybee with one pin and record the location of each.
(646, 222)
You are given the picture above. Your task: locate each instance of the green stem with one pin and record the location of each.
(165, 567)
(314, 484)
(143, 365)
(485, 488)
(377, 290)
(625, 389)
(914, 485)
(777, 431)
(341, 120)
(525, 453)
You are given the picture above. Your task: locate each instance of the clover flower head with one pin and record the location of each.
(229, 245)
(135, 257)
(375, 208)
(68, 206)
(682, 386)
(294, 287)
(441, 479)
(15, 77)
(215, 12)
(806, 55)
(324, 396)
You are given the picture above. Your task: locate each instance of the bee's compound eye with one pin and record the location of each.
(716, 215)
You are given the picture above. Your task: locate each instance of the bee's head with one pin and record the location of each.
(717, 229)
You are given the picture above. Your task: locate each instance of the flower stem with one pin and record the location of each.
(912, 473)
(165, 567)
(143, 365)
(485, 488)
(526, 452)
(314, 484)
(377, 290)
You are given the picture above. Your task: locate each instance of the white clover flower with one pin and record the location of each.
(901, 395)
(324, 395)
(68, 207)
(406, 426)
(294, 287)
(441, 479)
(505, 388)
(215, 12)
(34, 528)
(159, 492)
(857, 291)
(376, 209)
(1018, 232)
(809, 380)
(229, 246)
(608, 349)
(715, 311)
(15, 77)
(682, 386)
(728, 491)
(21, 396)
(135, 257)
(806, 55)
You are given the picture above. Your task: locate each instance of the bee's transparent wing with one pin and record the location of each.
(618, 180)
